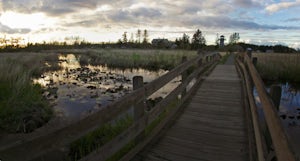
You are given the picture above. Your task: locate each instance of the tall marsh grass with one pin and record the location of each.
(22, 106)
(147, 59)
(279, 67)
(95, 139)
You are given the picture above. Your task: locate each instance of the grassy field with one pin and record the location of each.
(133, 58)
(279, 67)
(22, 106)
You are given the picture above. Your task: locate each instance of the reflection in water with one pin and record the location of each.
(289, 113)
(289, 107)
(77, 91)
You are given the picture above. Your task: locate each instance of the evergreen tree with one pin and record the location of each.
(184, 41)
(198, 40)
(131, 40)
(138, 36)
(145, 40)
(125, 40)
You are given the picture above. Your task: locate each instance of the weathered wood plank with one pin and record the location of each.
(212, 126)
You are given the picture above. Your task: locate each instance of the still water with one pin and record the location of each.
(289, 108)
(77, 91)
(288, 112)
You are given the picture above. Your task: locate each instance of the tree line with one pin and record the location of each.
(140, 39)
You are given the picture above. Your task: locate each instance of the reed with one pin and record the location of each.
(279, 67)
(95, 139)
(147, 59)
(22, 107)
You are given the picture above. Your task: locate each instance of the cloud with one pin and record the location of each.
(224, 22)
(292, 20)
(7, 30)
(47, 30)
(246, 3)
(280, 6)
(50, 7)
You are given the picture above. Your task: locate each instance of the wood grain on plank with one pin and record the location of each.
(212, 126)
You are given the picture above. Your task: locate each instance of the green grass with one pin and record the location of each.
(279, 67)
(147, 59)
(117, 156)
(224, 58)
(95, 139)
(22, 107)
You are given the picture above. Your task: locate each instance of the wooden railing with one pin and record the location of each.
(280, 143)
(54, 145)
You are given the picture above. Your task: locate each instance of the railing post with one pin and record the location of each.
(249, 52)
(275, 93)
(184, 75)
(200, 62)
(254, 61)
(139, 107)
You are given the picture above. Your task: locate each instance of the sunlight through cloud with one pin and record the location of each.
(19, 20)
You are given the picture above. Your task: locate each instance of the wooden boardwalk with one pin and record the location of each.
(212, 126)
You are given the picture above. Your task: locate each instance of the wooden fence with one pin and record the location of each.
(279, 139)
(54, 145)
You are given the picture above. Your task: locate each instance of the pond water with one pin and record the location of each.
(77, 91)
(289, 108)
(289, 113)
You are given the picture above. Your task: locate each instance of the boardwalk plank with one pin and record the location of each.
(212, 126)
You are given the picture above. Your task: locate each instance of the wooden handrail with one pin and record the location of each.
(280, 140)
(55, 142)
(253, 112)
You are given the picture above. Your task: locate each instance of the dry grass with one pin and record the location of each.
(279, 67)
(134, 58)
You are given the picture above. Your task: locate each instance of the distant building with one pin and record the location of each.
(163, 43)
(222, 41)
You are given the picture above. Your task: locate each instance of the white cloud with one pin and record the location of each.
(169, 17)
(280, 6)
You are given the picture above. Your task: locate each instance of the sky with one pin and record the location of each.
(267, 22)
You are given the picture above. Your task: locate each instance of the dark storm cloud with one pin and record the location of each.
(7, 30)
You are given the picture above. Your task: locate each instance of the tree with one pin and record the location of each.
(234, 38)
(125, 40)
(145, 40)
(198, 40)
(138, 36)
(217, 41)
(131, 40)
(183, 42)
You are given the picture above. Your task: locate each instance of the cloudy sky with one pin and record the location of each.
(257, 21)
